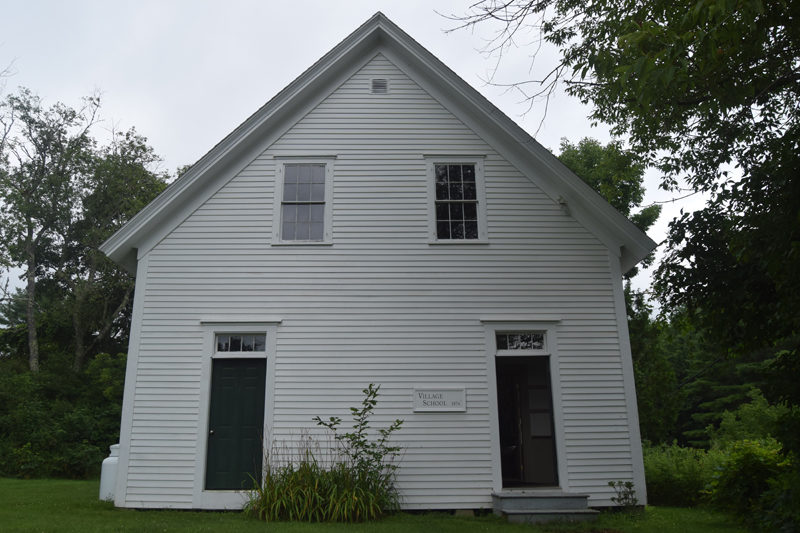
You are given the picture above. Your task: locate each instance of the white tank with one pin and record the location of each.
(108, 474)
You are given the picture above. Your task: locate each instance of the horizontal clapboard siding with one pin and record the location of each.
(380, 305)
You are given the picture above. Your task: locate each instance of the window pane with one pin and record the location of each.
(502, 341)
(454, 173)
(316, 231)
(456, 230)
(441, 183)
(457, 212)
(470, 211)
(304, 174)
(289, 213)
(443, 230)
(290, 173)
(247, 343)
(222, 343)
(302, 231)
(236, 343)
(259, 343)
(288, 231)
(303, 192)
(456, 190)
(471, 229)
(537, 341)
(318, 192)
(468, 173)
(317, 212)
(290, 192)
(303, 212)
(318, 174)
(442, 212)
(469, 191)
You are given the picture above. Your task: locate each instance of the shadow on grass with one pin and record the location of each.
(47, 505)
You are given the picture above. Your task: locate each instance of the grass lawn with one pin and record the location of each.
(71, 506)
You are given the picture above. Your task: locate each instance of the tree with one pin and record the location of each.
(617, 175)
(707, 92)
(41, 152)
(97, 292)
(65, 195)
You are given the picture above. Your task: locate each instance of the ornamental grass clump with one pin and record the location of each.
(356, 485)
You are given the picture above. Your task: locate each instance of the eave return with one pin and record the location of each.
(530, 506)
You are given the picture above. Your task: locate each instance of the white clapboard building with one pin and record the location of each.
(379, 221)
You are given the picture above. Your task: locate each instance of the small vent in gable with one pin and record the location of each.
(380, 86)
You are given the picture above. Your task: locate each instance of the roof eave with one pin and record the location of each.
(121, 246)
(622, 237)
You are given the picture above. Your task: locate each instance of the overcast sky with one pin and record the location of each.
(186, 73)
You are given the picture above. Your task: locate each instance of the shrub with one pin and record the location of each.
(59, 423)
(745, 475)
(755, 419)
(358, 486)
(676, 475)
(780, 504)
(308, 492)
(626, 497)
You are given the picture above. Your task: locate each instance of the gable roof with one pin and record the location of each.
(378, 34)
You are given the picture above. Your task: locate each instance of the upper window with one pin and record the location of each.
(304, 202)
(457, 201)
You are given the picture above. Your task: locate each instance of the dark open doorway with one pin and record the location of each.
(525, 414)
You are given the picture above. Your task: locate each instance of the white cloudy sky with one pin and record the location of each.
(186, 73)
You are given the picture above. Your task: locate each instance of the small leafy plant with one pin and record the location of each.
(626, 495)
(357, 485)
(371, 460)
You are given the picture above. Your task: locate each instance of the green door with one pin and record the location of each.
(236, 423)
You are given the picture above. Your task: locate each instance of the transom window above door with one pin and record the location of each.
(240, 342)
(529, 341)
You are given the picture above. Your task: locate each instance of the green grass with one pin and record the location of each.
(71, 506)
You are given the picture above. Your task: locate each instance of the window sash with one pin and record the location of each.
(303, 202)
(456, 201)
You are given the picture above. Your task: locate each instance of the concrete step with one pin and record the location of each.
(535, 516)
(542, 505)
(513, 500)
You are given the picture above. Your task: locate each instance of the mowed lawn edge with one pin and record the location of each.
(56, 505)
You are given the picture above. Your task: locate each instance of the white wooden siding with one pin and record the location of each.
(380, 305)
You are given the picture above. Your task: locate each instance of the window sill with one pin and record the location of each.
(456, 242)
(302, 243)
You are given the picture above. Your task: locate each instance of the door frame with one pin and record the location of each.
(549, 326)
(229, 499)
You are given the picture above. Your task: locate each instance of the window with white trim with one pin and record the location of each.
(304, 196)
(240, 342)
(457, 201)
(521, 342)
